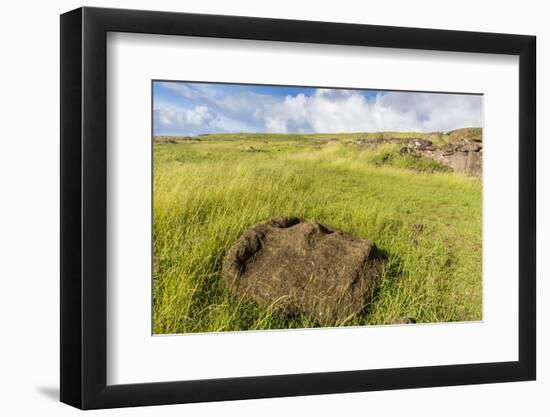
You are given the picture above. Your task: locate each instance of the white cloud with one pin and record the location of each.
(226, 108)
(233, 109)
(170, 119)
(334, 111)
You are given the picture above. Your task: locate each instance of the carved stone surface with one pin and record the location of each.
(299, 267)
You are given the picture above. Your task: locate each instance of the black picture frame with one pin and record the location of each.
(84, 207)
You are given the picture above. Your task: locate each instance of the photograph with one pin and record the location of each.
(266, 207)
(293, 207)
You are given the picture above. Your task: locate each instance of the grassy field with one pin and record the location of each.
(208, 192)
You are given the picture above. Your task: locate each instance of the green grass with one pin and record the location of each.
(208, 192)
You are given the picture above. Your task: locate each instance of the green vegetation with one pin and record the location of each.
(208, 192)
(389, 155)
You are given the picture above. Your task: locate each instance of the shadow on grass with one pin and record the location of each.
(391, 274)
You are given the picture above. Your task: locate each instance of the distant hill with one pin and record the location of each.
(467, 134)
(438, 138)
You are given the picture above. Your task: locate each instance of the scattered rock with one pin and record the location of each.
(175, 139)
(301, 267)
(363, 143)
(254, 150)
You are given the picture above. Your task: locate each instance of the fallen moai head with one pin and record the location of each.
(300, 267)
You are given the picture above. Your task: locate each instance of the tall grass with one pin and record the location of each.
(206, 194)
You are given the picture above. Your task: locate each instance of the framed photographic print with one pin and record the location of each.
(257, 207)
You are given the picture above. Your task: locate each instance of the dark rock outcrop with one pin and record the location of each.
(300, 267)
(465, 159)
(463, 152)
(464, 156)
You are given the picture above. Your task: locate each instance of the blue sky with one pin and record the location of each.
(185, 108)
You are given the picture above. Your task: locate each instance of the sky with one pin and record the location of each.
(188, 108)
